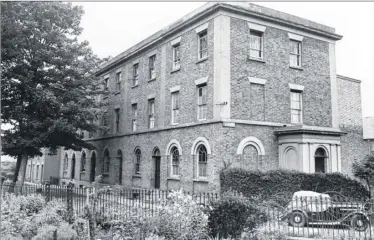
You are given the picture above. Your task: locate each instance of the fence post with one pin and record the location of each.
(47, 191)
(70, 202)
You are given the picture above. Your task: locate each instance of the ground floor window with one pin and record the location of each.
(202, 160)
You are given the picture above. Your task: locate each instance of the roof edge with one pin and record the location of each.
(348, 78)
(194, 16)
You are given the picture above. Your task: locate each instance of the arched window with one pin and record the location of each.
(320, 162)
(106, 161)
(66, 162)
(202, 158)
(174, 161)
(138, 155)
(83, 161)
(119, 159)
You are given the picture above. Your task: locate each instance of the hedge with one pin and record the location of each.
(278, 183)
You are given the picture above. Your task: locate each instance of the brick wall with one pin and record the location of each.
(353, 146)
(315, 77)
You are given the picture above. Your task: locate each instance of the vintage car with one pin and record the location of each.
(312, 208)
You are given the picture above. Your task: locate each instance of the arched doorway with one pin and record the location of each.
(73, 167)
(320, 160)
(120, 161)
(157, 161)
(93, 167)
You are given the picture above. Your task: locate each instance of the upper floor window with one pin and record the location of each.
(256, 43)
(176, 56)
(118, 81)
(203, 44)
(134, 115)
(201, 102)
(152, 67)
(175, 107)
(296, 106)
(117, 113)
(151, 113)
(105, 119)
(295, 53)
(135, 70)
(138, 155)
(106, 84)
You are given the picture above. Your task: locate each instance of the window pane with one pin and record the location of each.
(293, 60)
(255, 43)
(255, 53)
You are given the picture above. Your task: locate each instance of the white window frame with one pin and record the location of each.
(300, 110)
(298, 55)
(134, 109)
(135, 74)
(176, 62)
(152, 67)
(137, 161)
(171, 154)
(199, 50)
(261, 50)
(175, 109)
(200, 104)
(118, 81)
(151, 113)
(198, 172)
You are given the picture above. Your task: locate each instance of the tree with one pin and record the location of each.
(364, 170)
(48, 86)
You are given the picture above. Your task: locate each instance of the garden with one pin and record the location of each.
(249, 206)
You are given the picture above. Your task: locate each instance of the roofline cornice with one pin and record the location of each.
(210, 10)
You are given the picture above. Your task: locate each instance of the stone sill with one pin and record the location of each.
(118, 92)
(135, 86)
(202, 60)
(174, 178)
(260, 60)
(297, 68)
(175, 70)
(151, 80)
(136, 176)
(202, 180)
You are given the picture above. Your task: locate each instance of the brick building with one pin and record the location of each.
(44, 168)
(226, 85)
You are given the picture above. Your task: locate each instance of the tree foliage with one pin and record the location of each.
(364, 170)
(48, 86)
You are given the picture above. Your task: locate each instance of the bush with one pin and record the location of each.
(64, 232)
(178, 217)
(283, 183)
(232, 214)
(23, 216)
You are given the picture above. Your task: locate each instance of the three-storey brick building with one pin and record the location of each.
(226, 85)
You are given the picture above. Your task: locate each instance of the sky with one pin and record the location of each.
(113, 27)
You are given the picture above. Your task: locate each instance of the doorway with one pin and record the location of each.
(73, 167)
(93, 167)
(157, 161)
(320, 160)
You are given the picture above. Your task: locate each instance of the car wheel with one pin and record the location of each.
(297, 219)
(359, 222)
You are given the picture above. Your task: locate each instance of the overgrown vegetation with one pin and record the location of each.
(281, 184)
(234, 214)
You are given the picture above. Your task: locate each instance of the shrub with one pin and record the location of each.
(283, 183)
(178, 217)
(232, 214)
(64, 232)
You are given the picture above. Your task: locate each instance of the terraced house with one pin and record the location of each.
(227, 85)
